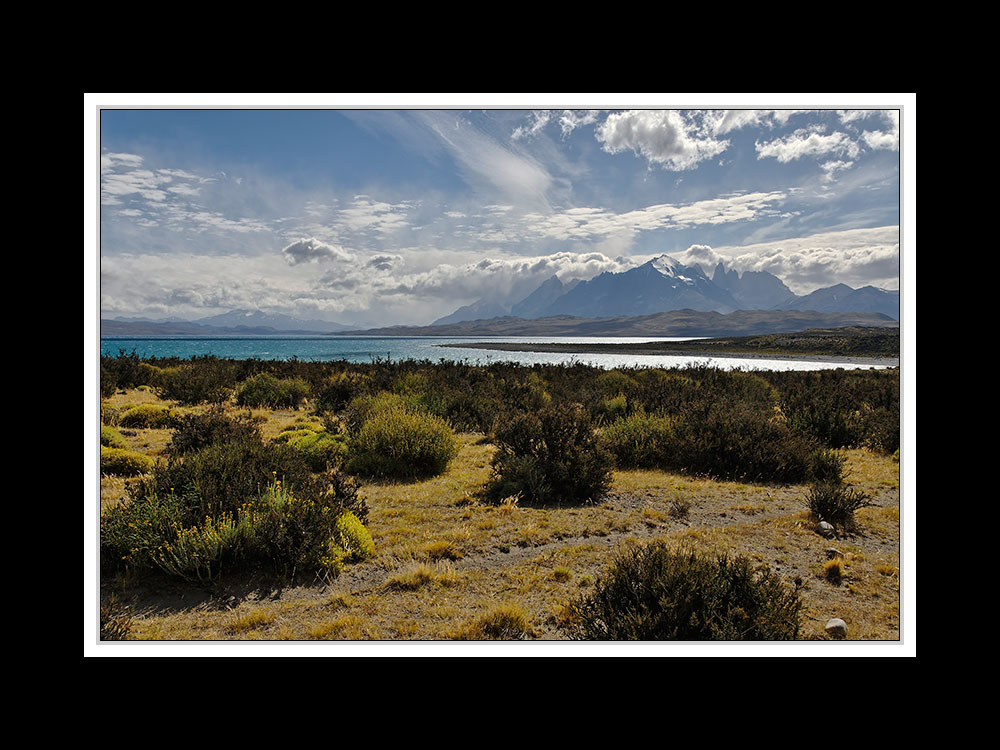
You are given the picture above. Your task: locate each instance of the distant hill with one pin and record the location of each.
(672, 323)
(233, 323)
(841, 298)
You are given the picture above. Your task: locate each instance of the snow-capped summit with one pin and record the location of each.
(673, 268)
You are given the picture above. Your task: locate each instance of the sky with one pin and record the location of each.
(381, 214)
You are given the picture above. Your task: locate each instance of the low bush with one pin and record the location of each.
(124, 463)
(125, 371)
(202, 380)
(111, 438)
(549, 457)
(827, 466)
(196, 431)
(321, 450)
(353, 538)
(149, 416)
(221, 476)
(396, 441)
(264, 389)
(641, 441)
(654, 593)
(731, 441)
(505, 622)
(836, 503)
(280, 531)
(337, 391)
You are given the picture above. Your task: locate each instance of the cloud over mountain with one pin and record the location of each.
(311, 250)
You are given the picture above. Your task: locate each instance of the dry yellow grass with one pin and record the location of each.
(444, 560)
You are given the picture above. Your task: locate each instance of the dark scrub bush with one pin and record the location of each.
(655, 593)
(205, 379)
(835, 502)
(337, 391)
(736, 440)
(551, 457)
(196, 431)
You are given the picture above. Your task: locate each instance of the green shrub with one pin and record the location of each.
(202, 380)
(111, 438)
(611, 409)
(731, 440)
(281, 531)
(654, 593)
(353, 538)
(640, 442)
(827, 467)
(196, 431)
(125, 371)
(549, 457)
(395, 441)
(661, 392)
(264, 389)
(222, 476)
(124, 463)
(287, 436)
(836, 503)
(320, 449)
(615, 382)
(149, 416)
(339, 390)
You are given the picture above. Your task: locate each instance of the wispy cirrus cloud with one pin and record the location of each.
(486, 161)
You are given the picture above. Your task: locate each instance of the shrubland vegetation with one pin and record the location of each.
(222, 499)
(653, 592)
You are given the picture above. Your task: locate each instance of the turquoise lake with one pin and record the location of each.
(434, 349)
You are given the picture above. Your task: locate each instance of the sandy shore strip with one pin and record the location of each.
(564, 348)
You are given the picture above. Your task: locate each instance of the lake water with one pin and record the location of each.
(370, 348)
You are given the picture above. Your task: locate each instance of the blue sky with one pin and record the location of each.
(375, 216)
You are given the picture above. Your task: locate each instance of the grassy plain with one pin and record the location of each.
(449, 566)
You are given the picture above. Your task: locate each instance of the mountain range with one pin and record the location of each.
(664, 284)
(692, 323)
(232, 323)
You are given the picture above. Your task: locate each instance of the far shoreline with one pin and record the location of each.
(564, 348)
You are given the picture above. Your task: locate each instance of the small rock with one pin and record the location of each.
(832, 552)
(825, 529)
(836, 627)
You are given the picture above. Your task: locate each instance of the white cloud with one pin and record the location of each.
(571, 119)
(726, 121)
(539, 119)
(856, 257)
(586, 223)
(885, 139)
(311, 250)
(804, 142)
(499, 278)
(663, 137)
